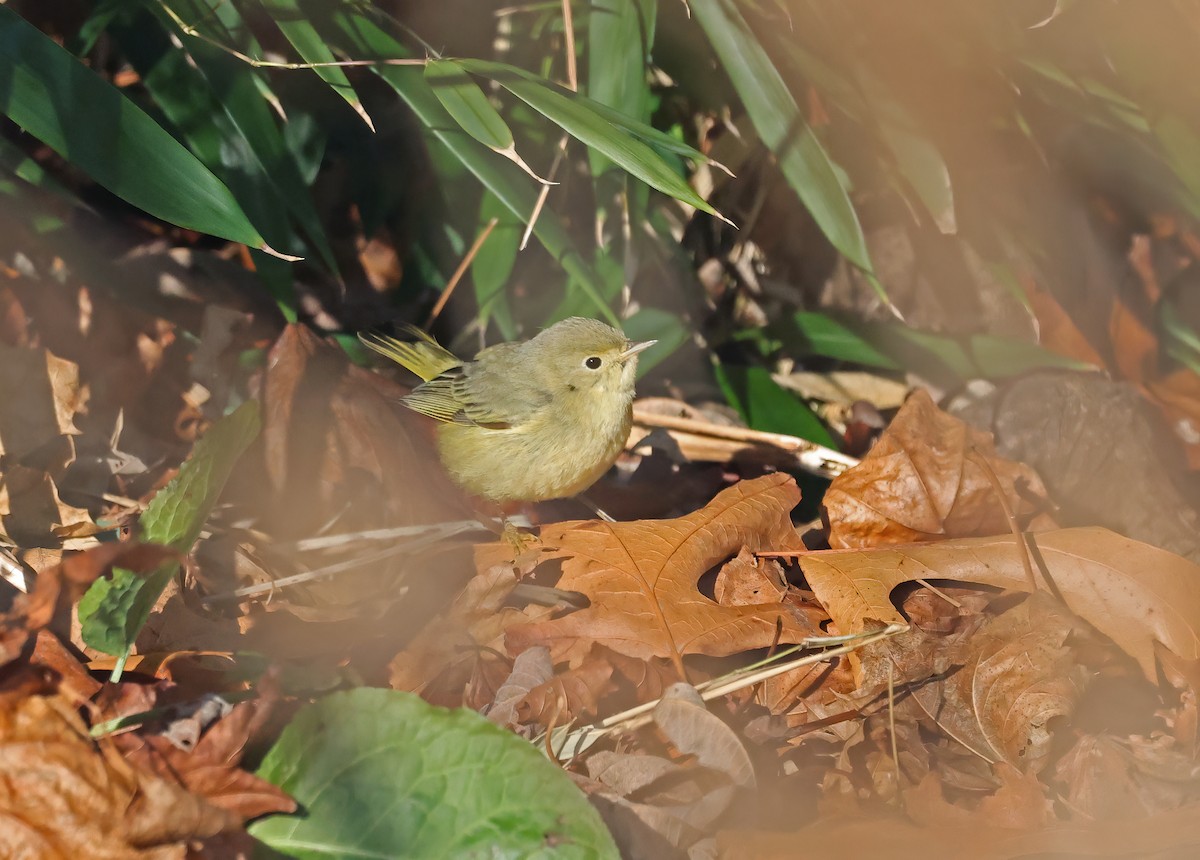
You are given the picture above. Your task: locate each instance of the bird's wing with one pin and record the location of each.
(436, 398)
(496, 390)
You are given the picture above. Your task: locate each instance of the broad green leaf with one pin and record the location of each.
(592, 124)
(113, 611)
(381, 773)
(361, 37)
(87, 121)
(765, 405)
(291, 20)
(781, 126)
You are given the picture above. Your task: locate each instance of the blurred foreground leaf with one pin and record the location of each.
(381, 773)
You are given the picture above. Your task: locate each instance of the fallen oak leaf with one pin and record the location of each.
(641, 578)
(1134, 593)
(923, 481)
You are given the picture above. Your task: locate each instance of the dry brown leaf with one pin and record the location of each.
(1056, 330)
(1109, 779)
(641, 578)
(1132, 592)
(1168, 835)
(41, 394)
(748, 580)
(570, 694)
(921, 482)
(210, 770)
(1015, 676)
(62, 797)
(32, 511)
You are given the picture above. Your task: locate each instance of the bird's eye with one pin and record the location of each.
(592, 362)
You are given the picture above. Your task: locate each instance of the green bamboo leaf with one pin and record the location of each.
(619, 35)
(593, 124)
(469, 106)
(309, 44)
(361, 37)
(781, 126)
(82, 117)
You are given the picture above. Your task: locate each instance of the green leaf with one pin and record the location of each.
(895, 346)
(493, 265)
(782, 128)
(594, 125)
(113, 611)
(381, 773)
(819, 334)
(363, 38)
(765, 405)
(465, 101)
(309, 44)
(177, 512)
(87, 121)
(619, 35)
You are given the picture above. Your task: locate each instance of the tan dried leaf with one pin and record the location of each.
(1134, 593)
(641, 578)
(41, 394)
(921, 482)
(63, 797)
(1016, 675)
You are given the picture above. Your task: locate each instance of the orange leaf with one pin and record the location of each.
(641, 578)
(1132, 592)
(921, 482)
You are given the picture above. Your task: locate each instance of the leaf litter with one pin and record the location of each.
(971, 726)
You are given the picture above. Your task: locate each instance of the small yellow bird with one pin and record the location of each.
(539, 419)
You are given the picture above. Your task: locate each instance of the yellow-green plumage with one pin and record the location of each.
(526, 421)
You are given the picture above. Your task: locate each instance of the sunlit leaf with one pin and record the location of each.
(775, 115)
(85, 119)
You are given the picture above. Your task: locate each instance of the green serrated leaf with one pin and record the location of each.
(113, 611)
(71, 109)
(781, 126)
(177, 513)
(381, 773)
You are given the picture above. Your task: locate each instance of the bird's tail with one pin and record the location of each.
(424, 356)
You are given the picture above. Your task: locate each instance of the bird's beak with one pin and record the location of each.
(634, 348)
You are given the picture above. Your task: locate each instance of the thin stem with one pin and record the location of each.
(461, 270)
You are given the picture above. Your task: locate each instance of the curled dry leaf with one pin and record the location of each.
(922, 482)
(1134, 593)
(41, 394)
(1016, 675)
(532, 668)
(641, 578)
(64, 796)
(571, 694)
(210, 770)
